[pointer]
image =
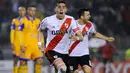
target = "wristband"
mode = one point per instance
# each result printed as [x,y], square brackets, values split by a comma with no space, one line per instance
[39,43]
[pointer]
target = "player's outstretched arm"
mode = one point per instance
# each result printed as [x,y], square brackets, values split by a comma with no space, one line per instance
[101,36]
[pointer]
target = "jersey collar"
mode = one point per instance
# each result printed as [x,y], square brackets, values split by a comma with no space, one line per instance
[19,18]
[29,18]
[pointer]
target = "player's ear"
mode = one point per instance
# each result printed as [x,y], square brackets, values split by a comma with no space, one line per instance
[66,9]
[55,9]
[81,17]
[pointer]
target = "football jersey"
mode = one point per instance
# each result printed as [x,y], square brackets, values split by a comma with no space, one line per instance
[14,26]
[29,30]
[80,48]
[58,32]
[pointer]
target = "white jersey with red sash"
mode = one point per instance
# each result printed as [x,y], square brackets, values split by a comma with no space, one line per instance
[80,48]
[58,32]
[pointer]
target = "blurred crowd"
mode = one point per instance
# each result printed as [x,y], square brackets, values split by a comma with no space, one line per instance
[111,17]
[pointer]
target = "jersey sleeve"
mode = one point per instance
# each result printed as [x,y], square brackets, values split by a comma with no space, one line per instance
[74,26]
[21,25]
[93,30]
[12,27]
[43,24]
[12,32]
[20,28]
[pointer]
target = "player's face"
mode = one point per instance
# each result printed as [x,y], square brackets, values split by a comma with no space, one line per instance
[86,16]
[31,11]
[61,9]
[22,11]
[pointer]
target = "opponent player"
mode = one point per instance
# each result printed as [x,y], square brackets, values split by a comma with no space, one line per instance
[79,52]
[28,34]
[59,27]
[14,37]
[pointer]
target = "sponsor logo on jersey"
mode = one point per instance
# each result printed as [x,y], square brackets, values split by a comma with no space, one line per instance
[55,32]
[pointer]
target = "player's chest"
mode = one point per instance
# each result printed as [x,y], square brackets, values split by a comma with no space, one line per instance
[55,25]
[31,25]
[84,29]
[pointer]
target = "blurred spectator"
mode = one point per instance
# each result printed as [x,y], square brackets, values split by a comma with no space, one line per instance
[107,50]
[126,18]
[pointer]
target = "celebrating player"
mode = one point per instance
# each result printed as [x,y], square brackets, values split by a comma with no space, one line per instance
[59,27]
[15,45]
[28,34]
[79,52]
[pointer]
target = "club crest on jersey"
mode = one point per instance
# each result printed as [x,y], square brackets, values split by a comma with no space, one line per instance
[86,28]
[66,25]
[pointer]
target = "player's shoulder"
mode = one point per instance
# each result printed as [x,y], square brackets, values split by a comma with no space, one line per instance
[68,16]
[37,19]
[90,23]
[24,18]
[48,18]
[14,19]
[51,17]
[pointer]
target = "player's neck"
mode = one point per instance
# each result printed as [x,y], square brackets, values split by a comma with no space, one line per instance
[59,17]
[21,16]
[81,22]
[31,17]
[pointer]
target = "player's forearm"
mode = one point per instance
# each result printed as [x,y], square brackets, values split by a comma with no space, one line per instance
[79,35]
[101,36]
[40,37]
[12,33]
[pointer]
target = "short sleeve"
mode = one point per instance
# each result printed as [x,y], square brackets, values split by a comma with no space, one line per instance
[13,25]
[43,24]
[93,30]
[74,26]
[21,25]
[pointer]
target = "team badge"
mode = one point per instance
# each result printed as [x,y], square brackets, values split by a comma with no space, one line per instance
[66,25]
[86,28]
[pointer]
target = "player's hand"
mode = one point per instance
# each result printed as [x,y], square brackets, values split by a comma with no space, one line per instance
[22,48]
[12,46]
[43,51]
[41,48]
[110,39]
[74,38]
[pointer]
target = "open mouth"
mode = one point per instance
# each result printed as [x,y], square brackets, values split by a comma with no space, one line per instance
[61,12]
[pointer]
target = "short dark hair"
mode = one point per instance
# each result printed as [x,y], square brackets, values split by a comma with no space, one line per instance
[61,2]
[81,12]
[31,6]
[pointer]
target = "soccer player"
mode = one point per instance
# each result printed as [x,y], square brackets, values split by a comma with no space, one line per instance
[59,26]
[28,36]
[79,52]
[15,45]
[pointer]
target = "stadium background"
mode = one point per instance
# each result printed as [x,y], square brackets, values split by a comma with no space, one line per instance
[111,17]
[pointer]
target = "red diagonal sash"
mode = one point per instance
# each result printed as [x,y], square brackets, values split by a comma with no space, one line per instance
[85,29]
[53,43]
